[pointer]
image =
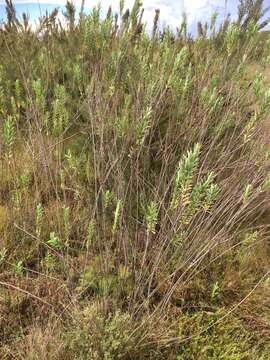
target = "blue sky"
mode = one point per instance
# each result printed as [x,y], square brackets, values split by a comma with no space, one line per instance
[171,10]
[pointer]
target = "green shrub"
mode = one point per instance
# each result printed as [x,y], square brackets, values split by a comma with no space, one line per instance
[214,335]
[97,337]
[133,168]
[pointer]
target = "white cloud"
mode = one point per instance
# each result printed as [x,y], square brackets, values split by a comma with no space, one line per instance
[203,9]
[170,10]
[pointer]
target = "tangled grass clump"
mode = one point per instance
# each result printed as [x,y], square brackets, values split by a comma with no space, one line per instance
[134,188]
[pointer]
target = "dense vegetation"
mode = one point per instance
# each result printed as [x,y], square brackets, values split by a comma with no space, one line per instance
[134,188]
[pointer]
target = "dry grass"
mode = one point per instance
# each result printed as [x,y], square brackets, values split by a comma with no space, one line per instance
[134,190]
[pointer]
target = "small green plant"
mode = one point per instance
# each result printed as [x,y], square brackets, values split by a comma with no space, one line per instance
[107,337]
[180,61]
[209,338]
[211,100]
[116,341]
[25,179]
[250,238]
[178,240]
[232,36]
[202,195]
[54,240]
[77,194]
[39,219]
[16,198]
[40,102]
[18,268]
[250,127]
[77,73]
[143,126]
[69,157]
[211,196]
[247,193]
[215,291]
[184,177]
[151,217]
[117,213]
[49,261]
[60,113]
[108,198]
[123,121]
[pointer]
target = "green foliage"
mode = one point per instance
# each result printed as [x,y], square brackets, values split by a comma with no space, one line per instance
[215,291]
[208,336]
[257,86]
[217,335]
[97,33]
[133,177]
[211,100]
[211,196]
[143,126]
[18,267]
[54,240]
[108,198]
[151,217]
[184,177]
[117,214]
[98,281]
[49,262]
[98,337]
[40,103]
[247,193]
[60,113]
[180,61]
[232,37]
[203,196]
[25,179]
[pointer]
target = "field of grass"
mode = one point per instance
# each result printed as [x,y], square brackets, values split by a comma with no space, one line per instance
[134,189]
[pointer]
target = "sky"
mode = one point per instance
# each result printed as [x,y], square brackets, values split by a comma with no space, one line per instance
[170,10]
